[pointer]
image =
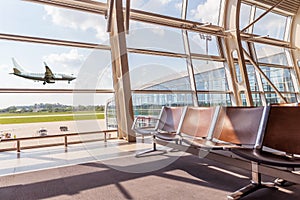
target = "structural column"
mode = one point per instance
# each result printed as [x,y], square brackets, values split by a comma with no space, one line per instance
[234,44]
[295,44]
[120,69]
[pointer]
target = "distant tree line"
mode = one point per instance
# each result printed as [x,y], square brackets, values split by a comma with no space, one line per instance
[47,107]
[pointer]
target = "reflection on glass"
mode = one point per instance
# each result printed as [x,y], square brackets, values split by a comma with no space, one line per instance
[281,78]
[206,11]
[149,72]
[150,104]
[271,25]
[201,43]
[272,97]
[270,54]
[210,75]
[155,37]
[252,78]
[238,73]
[256,99]
[213,99]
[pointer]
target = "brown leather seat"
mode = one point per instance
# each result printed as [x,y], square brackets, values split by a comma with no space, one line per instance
[277,146]
[234,127]
[195,122]
[169,123]
[166,126]
[268,158]
[281,137]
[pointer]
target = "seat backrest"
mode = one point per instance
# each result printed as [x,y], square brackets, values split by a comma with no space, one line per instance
[282,131]
[239,125]
[196,121]
[169,119]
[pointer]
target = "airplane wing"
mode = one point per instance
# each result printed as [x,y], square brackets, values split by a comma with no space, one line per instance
[48,73]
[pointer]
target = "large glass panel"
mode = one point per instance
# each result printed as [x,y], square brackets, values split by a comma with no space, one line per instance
[150,104]
[272,97]
[90,67]
[271,25]
[244,15]
[210,75]
[155,37]
[270,54]
[252,78]
[201,43]
[205,11]
[170,8]
[148,72]
[281,78]
[213,99]
[24,114]
[45,21]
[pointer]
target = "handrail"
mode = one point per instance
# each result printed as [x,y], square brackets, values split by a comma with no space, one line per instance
[66,135]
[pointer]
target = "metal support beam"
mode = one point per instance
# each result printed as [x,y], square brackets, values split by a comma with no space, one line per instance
[231,22]
[110,4]
[189,58]
[295,43]
[121,76]
[127,15]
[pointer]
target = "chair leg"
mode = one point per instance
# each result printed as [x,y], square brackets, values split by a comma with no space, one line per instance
[149,150]
[255,184]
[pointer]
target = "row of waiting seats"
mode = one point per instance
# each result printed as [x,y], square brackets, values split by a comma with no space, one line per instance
[268,135]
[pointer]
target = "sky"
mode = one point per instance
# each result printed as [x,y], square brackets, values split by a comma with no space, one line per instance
[92,67]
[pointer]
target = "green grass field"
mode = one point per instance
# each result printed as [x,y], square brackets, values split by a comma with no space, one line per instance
[47,117]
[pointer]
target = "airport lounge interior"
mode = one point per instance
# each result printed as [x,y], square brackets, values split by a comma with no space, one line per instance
[166,99]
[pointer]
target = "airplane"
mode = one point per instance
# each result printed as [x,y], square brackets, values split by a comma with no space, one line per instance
[47,77]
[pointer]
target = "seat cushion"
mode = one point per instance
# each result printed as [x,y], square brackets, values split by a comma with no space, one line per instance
[167,136]
[144,131]
[268,158]
[208,144]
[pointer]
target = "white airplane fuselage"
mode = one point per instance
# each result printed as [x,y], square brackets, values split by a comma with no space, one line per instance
[47,77]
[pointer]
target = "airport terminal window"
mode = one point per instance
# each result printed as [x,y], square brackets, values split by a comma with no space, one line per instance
[150,104]
[280,77]
[210,75]
[169,8]
[149,72]
[272,97]
[245,15]
[252,78]
[204,11]
[78,62]
[271,54]
[39,20]
[212,99]
[202,43]
[158,37]
[271,25]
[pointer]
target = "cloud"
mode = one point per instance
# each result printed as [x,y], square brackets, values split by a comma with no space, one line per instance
[4,67]
[178,6]
[68,60]
[207,12]
[77,21]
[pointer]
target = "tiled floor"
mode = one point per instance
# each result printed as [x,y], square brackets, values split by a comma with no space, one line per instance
[43,158]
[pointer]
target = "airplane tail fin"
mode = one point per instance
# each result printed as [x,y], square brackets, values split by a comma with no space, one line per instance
[17,71]
[17,68]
